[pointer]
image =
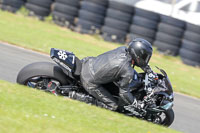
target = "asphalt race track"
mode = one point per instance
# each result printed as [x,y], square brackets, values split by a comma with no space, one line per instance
[12,59]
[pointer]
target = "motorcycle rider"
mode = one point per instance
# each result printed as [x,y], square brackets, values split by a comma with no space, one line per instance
[115,66]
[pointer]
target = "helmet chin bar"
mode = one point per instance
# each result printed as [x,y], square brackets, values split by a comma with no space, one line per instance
[140,63]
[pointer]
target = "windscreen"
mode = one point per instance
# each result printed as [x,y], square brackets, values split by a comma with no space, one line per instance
[168,85]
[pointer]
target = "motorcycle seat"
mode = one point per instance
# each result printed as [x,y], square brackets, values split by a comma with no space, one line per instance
[78,67]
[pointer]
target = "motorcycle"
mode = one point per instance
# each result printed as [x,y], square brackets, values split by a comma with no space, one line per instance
[155,95]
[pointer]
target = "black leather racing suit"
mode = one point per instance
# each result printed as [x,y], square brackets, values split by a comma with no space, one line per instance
[111,66]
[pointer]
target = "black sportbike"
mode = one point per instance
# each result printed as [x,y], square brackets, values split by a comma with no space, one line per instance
[155,95]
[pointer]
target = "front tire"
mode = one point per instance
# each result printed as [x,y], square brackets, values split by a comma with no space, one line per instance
[169,118]
[162,118]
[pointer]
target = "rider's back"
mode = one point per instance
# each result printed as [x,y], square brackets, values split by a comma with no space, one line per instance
[109,66]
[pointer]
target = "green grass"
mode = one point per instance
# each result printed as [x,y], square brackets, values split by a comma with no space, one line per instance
[25,110]
[41,36]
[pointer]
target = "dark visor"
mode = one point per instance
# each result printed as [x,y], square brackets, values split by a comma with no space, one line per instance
[146,58]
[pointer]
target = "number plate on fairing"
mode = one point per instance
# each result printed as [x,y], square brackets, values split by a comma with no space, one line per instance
[63,58]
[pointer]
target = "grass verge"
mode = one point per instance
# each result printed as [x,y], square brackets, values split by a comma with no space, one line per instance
[41,36]
[27,110]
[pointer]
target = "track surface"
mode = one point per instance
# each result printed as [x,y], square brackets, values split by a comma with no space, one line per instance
[12,59]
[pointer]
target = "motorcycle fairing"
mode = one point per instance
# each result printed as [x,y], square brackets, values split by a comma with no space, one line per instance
[167,82]
[65,59]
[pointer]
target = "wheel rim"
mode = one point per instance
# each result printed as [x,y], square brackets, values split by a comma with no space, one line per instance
[165,121]
[41,82]
[160,118]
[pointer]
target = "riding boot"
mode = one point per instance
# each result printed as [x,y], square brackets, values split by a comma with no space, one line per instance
[81,97]
[88,99]
[103,105]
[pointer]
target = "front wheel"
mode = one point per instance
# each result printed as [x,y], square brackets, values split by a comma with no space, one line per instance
[169,118]
[164,118]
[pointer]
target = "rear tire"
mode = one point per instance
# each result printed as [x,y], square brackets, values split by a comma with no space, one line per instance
[42,69]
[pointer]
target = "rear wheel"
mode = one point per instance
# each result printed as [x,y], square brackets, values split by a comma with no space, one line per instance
[43,76]
[45,84]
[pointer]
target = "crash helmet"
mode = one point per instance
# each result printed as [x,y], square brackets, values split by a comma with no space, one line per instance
[141,51]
